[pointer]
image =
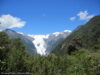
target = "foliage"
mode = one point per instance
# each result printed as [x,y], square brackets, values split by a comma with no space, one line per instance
[14,59]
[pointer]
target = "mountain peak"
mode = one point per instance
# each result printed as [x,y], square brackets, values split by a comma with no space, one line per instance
[9,30]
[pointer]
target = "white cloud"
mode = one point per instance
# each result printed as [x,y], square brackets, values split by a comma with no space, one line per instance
[8,21]
[72,18]
[84,15]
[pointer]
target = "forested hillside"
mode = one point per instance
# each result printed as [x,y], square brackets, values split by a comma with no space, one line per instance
[86,36]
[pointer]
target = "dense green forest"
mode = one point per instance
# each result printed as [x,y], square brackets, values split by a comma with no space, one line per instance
[15,60]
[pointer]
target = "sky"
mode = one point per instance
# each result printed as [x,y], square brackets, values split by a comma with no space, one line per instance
[46,16]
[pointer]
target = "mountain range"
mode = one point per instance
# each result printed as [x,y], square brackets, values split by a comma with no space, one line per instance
[39,44]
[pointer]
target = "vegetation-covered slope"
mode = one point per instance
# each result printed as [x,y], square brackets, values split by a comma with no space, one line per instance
[12,52]
[85,36]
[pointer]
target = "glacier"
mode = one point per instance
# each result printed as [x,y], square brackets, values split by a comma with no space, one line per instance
[44,43]
[39,44]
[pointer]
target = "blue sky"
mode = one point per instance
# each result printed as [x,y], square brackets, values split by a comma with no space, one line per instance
[48,16]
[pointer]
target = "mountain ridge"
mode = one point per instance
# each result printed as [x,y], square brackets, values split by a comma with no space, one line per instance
[39,44]
[85,36]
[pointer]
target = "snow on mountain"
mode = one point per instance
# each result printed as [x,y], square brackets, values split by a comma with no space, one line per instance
[39,44]
[45,43]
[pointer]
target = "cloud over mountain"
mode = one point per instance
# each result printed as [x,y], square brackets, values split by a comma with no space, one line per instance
[9,21]
[82,15]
